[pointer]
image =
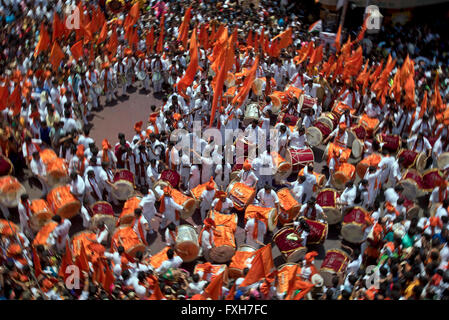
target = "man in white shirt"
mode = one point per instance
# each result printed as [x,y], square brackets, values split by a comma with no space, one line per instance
[170,209]
[206,198]
[298,139]
[173,262]
[268,198]
[196,286]
[61,232]
[38,169]
[147,206]
[313,211]
[247,176]
[222,203]
[25,214]
[255,229]
[348,196]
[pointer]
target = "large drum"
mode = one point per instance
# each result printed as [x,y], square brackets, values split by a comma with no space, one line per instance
[257,86]
[224,219]
[63,203]
[251,113]
[198,191]
[171,177]
[102,212]
[270,215]
[353,227]
[127,215]
[308,102]
[431,179]
[443,161]
[6,166]
[86,238]
[289,206]
[283,166]
[125,236]
[57,172]
[187,246]
[41,214]
[344,173]
[318,232]
[320,179]
[370,124]
[329,119]
[44,236]
[289,242]
[356,136]
[413,159]
[327,199]
[392,142]
[158,188]
[47,156]
[241,259]
[412,210]
[188,203]
[293,92]
[362,166]
[286,273]
[319,131]
[335,262]
[10,191]
[241,194]
[299,158]
[224,245]
[339,108]
[412,183]
[278,99]
[237,167]
[124,184]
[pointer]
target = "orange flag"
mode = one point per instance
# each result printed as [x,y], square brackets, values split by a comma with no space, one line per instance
[261,39]
[204,37]
[249,39]
[437,102]
[91,53]
[15,100]
[298,289]
[362,31]
[247,83]
[285,38]
[214,289]
[58,28]
[77,50]
[338,39]
[423,105]
[81,261]
[36,263]
[103,33]
[160,41]
[261,266]
[376,72]
[113,42]
[149,42]
[108,279]
[183,31]
[56,55]
[192,68]
[409,89]
[317,56]
[231,293]
[67,260]
[4,93]
[44,41]
[218,88]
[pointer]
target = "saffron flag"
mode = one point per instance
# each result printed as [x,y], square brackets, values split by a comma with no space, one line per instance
[192,68]
[338,39]
[214,289]
[183,31]
[160,41]
[44,41]
[77,50]
[261,266]
[247,83]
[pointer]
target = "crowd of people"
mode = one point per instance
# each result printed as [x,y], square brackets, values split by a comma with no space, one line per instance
[255,66]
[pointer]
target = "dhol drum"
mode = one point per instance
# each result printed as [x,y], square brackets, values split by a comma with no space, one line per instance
[291,119]
[362,166]
[171,177]
[270,215]
[332,148]
[158,188]
[289,242]
[370,124]
[257,86]
[293,92]
[127,215]
[286,273]
[41,214]
[124,184]
[356,136]
[318,232]
[343,173]
[188,203]
[432,178]
[353,226]
[224,245]
[237,167]
[8,228]
[251,113]
[6,166]
[328,200]
[240,194]
[329,119]
[198,191]
[224,219]
[241,260]
[289,206]
[45,235]
[187,246]
[308,102]
[320,179]
[443,161]
[299,158]
[283,166]
[10,191]
[335,262]
[412,183]
[47,156]
[86,239]
[208,271]
[125,236]
[339,108]
[102,212]
[57,172]
[63,203]
[413,159]
[412,210]
[392,142]
[278,99]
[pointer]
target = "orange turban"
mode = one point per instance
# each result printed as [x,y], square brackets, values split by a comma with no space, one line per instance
[220,194]
[246,165]
[435,221]
[128,51]
[80,151]
[138,126]
[106,65]
[105,144]
[311,256]
[211,184]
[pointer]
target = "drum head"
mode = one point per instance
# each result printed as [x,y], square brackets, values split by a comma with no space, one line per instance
[11,200]
[109,221]
[187,250]
[272,220]
[410,189]
[339,180]
[327,276]
[123,190]
[133,250]
[257,87]
[357,148]
[221,254]
[69,210]
[326,121]
[333,215]
[314,136]
[189,208]
[352,233]
[161,184]
[297,255]
[421,161]
[443,160]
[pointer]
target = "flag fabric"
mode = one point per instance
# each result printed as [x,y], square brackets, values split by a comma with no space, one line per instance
[219,82]
[81,261]
[203,37]
[423,105]
[192,68]
[149,41]
[77,50]
[44,41]
[183,31]
[261,266]
[4,94]
[67,260]
[362,31]
[437,102]
[214,289]
[108,279]
[58,28]
[160,41]
[337,42]
[231,293]
[285,38]
[157,293]
[113,42]
[15,100]
[103,33]
[247,83]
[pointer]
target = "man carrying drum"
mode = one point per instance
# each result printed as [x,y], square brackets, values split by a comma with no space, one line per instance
[255,230]
[222,203]
[206,198]
[313,211]
[147,206]
[206,236]
[268,198]
[247,176]
[169,209]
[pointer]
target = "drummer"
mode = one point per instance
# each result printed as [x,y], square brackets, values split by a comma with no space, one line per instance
[25,214]
[313,211]
[255,229]
[206,236]
[419,143]
[169,209]
[206,198]
[298,139]
[340,136]
[38,169]
[247,176]
[222,203]
[267,198]
[147,206]
[348,196]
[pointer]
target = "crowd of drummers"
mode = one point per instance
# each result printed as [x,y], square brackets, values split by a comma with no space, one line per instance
[347,138]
